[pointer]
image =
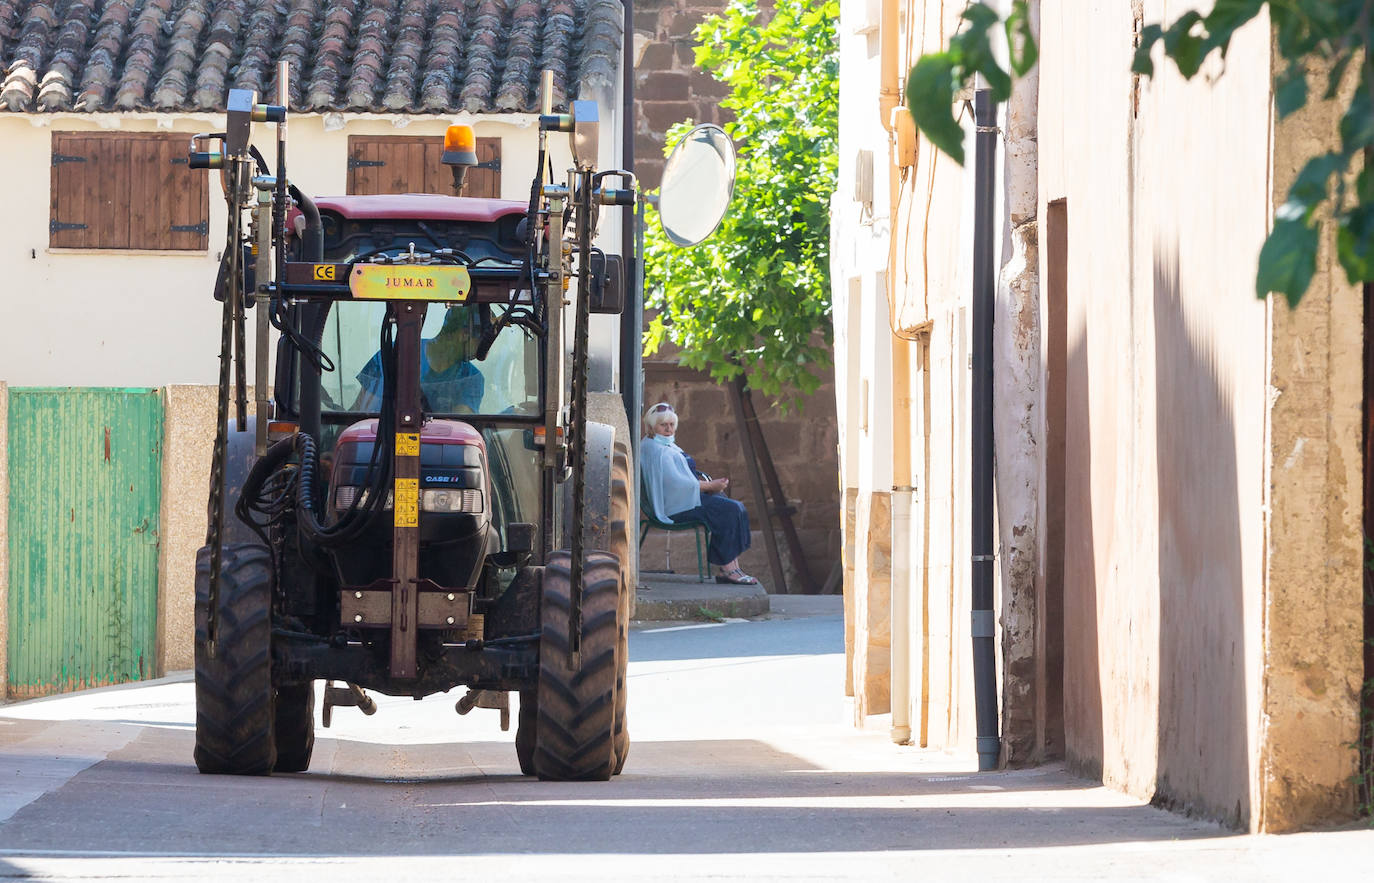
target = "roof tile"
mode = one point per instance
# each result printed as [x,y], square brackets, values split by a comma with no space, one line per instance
[98,74]
[427,56]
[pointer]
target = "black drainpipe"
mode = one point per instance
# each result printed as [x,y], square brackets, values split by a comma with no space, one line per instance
[984,621]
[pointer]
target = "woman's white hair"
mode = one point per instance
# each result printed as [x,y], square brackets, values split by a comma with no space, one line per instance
[656,415]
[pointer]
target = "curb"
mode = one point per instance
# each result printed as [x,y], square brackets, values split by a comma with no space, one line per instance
[697,609]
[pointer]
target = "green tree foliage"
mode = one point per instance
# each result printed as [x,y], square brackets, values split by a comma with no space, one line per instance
[1327,35]
[756,295]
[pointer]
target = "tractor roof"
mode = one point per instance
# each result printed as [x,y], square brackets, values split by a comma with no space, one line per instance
[421,206]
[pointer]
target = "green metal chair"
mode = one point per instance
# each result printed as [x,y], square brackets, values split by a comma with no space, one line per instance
[648,521]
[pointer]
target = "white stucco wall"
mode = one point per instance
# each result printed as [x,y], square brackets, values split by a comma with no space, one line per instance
[135,318]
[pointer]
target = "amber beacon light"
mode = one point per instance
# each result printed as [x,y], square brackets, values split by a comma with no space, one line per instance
[460,153]
[460,146]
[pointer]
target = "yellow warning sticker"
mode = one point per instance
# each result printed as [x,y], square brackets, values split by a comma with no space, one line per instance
[324,272]
[407,502]
[408,444]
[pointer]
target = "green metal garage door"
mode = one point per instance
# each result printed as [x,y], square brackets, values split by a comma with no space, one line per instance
[85,480]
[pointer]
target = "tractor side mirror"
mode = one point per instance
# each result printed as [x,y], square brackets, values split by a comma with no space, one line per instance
[608,283]
[698,181]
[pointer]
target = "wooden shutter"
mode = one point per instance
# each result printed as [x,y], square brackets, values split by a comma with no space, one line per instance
[126,191]
[413,164]
[485,180]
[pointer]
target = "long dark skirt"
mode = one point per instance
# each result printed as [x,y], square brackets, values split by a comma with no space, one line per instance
[729,525]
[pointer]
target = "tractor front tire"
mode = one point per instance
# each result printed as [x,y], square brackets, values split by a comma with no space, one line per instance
[622,545]
[575,701]
[234,694]
[295,727]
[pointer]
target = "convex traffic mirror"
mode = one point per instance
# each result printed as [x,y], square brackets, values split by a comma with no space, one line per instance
[698,181]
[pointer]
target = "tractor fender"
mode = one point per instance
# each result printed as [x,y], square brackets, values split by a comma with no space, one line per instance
[240,455]
[596,532]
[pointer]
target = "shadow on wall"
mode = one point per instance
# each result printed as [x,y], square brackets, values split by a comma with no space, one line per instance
[1082,677]
[1203,747]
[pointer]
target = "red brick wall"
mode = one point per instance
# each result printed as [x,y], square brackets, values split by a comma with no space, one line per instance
[668,87]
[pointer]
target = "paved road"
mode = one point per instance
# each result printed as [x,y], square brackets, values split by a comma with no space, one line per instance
[743,766]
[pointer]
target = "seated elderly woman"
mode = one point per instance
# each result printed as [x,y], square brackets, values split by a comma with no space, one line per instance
[678,492]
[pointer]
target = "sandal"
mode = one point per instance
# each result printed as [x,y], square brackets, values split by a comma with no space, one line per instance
[736,577]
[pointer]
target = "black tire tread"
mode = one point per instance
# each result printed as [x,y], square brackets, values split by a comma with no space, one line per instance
[575,708]
[234,696]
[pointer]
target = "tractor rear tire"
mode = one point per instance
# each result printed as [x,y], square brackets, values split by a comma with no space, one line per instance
[295,727]
[234,695]
[575,704]
[622,546]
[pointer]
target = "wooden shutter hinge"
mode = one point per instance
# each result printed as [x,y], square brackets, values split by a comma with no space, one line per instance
[355,163]
[202,228]
[59,158]
[59,226]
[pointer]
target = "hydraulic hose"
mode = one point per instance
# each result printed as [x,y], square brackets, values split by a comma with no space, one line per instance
[358,518]
[351,524]
[312,240]
[312,250]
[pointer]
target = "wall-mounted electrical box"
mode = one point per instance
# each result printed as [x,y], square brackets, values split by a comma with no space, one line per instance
[904,141]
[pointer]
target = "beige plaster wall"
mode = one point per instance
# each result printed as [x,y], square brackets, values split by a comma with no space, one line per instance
[1313,614]
[872,665]
[187,443]
[1185,656]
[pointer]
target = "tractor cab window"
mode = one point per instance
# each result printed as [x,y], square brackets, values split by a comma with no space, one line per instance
[452,380]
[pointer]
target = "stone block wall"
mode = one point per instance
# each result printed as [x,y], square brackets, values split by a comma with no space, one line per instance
[668,86]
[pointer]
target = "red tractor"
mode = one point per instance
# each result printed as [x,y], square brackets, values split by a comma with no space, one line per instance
[424,503]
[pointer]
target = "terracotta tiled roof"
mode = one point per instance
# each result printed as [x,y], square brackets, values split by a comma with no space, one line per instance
[412,56]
